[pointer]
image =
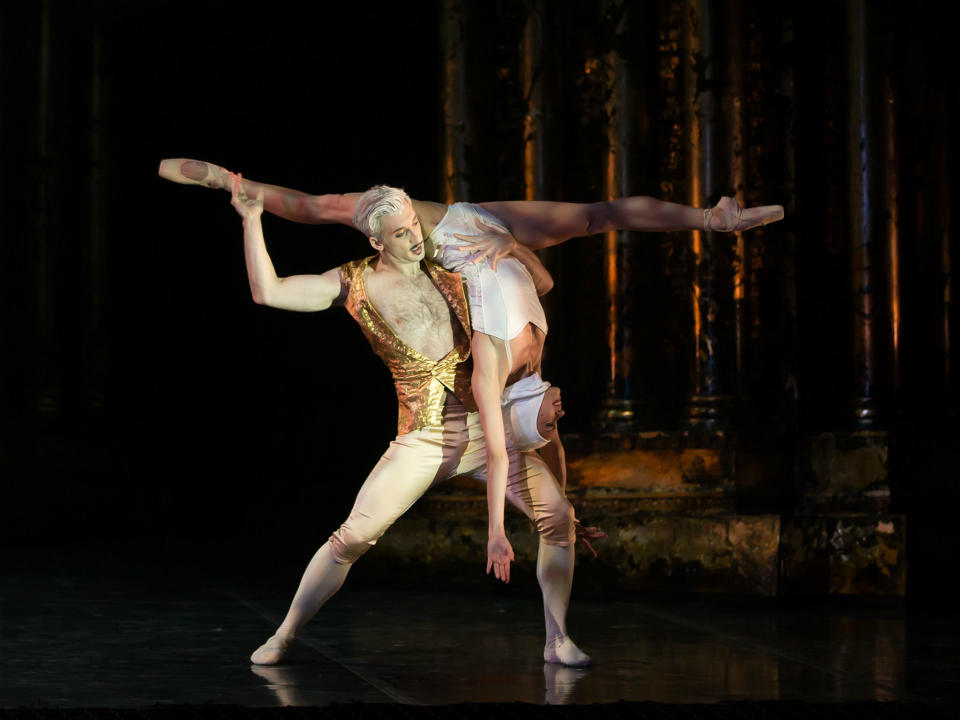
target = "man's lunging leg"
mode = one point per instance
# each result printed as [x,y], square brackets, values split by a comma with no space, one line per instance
[322,578]
[404,473]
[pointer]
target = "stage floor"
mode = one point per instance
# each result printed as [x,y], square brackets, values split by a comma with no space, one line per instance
[108,628]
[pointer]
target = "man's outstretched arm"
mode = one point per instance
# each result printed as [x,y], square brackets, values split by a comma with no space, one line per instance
[304,293]
[540,224]
[285,202]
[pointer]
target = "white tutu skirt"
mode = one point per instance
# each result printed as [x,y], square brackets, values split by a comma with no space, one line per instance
[502,302]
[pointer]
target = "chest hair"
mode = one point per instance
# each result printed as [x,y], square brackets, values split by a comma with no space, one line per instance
[414,309]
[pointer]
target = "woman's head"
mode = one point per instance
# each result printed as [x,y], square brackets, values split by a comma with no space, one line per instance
[531,415]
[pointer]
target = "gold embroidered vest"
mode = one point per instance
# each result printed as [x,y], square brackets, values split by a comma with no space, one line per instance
[421,383]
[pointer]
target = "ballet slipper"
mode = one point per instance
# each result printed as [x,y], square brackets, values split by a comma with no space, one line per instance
[759,216]
[728,216]
[194,172]
[272,651]
[564,651]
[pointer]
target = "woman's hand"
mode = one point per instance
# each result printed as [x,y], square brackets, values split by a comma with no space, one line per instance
[586,534]
[493,243]
[499,555]
[246,207]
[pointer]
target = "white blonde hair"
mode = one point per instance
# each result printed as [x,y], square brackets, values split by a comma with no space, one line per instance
[376,202]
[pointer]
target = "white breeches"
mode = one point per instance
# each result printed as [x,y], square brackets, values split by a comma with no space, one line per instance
[415,461]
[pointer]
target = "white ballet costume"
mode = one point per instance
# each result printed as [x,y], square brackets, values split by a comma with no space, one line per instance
[502,301]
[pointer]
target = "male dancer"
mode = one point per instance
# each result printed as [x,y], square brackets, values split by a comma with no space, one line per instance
[538,224]
[414,314]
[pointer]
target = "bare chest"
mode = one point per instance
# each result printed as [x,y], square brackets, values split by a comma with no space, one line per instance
[415,310]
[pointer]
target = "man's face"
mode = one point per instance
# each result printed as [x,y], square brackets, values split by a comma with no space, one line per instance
[400,236]
[551,410]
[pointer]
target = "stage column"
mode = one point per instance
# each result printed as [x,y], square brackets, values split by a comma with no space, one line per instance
[618,411]
[944,185]
[457,128]
[534,78]
[710,399]
[95,332]
[667,493]
[862,154]
[47,392]
[845,540]
[537,80]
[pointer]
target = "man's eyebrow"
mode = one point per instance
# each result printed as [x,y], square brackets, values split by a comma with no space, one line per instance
[404,227]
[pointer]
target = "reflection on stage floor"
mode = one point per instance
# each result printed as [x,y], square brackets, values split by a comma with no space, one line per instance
[165,629]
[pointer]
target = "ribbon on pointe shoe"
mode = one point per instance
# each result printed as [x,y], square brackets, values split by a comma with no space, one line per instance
[734,218]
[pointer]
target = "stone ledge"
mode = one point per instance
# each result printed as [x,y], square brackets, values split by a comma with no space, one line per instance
[844,554]
[846,471]
[721,553]
[716,554]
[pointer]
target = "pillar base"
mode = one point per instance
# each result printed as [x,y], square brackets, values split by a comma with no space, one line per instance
[866,414]
[617,415]
[709,411]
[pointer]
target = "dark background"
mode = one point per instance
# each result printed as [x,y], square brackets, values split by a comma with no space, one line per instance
[145,398]
[191,411]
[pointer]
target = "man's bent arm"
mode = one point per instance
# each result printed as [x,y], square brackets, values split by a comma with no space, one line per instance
[287,203]
[305,293]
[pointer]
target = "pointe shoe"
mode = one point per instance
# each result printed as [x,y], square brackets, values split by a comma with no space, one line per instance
[194,172]
[271,652]
[728,216]
[759,216]
[564,651]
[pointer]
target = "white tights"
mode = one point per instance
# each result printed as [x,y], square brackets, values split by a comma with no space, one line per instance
[413,463]
[324,576]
